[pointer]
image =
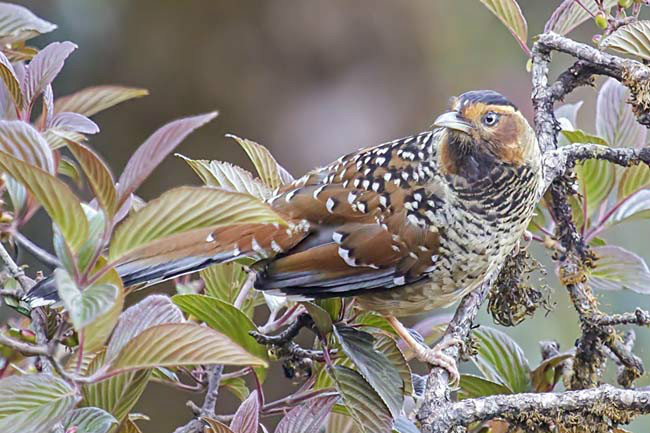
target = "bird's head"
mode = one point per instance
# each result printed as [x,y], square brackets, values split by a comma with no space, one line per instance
[483,127]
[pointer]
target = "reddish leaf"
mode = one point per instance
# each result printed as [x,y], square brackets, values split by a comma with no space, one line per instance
[18,23]
[246,419]
[92,100]
[309,417]
[151,311]
[44,68]
[98,175]
[76,122]
[154,150]
[22,141]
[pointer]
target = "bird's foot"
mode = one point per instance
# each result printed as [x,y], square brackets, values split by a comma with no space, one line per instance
[435,356]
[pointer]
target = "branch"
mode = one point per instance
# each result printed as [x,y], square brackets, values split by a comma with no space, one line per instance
[36,251]
[207,409]
[14,270]
[543,411]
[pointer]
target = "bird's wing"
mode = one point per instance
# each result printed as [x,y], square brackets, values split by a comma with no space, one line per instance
[374,219]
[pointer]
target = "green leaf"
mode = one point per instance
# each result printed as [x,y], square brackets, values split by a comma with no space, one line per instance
[68,167]
[237,386]
[151,153]
[509,12]
[332,306]
[375,367]
[375,320]
[579,136]
[633,179]
[321,318]
[597,179]
[308,417]
[570,14]
[474,387]
[20,140]
[339,423]
[92,100]
[246,419]
[617,268]
[18,24]
[57,138]
[364,404]
[34,402]
[501,360]
[96,227]
[388,346]
[615,120]
[545,377]
[186,208]
[632,39]
[228,176]
[98,175]
[17,194]
[175,344]
[224,281]
[223,317]
[10,79]
[118,394]
[271,173]
[84,307]
[89,420]
[97,333]
[55,196]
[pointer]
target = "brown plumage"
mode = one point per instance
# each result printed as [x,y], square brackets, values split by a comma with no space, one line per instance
[405,226]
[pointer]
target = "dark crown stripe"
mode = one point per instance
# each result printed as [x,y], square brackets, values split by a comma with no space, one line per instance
[485,96]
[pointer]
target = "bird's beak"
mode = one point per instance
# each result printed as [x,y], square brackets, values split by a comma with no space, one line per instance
[453,120]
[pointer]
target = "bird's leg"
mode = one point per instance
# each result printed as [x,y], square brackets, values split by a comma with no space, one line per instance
[434,356]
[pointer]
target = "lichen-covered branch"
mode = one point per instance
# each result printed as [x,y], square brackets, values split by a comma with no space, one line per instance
[566,411]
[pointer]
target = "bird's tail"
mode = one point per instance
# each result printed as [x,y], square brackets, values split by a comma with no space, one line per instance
[188,252]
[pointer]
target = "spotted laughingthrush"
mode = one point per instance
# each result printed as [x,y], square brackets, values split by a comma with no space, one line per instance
[405,226]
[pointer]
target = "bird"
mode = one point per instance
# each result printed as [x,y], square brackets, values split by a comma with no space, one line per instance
[404,227]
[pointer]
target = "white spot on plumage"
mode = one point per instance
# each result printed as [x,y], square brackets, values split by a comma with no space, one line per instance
[276,247]
[417,196]
[361,207]
[413,255]
[399,281]
[329,204]
[408,205]
[375,186]
[383,201]
[345,255]
[337,237]
[380,160]
[351,197]
[405,175]
[290,195]
[356,183]
[387,176]
[210,238]
[412,218]
[395,248]
[318,191]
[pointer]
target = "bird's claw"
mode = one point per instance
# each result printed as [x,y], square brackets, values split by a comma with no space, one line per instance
[435,356]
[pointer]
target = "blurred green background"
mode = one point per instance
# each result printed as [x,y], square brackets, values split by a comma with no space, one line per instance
[310,80]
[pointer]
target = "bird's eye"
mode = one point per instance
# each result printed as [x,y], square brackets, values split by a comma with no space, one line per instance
[490,119]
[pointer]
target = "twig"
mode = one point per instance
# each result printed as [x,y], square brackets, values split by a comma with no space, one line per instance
[14,270]
[195,425]
[36,251]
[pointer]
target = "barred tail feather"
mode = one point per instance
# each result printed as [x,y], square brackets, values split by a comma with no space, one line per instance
[188,252]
